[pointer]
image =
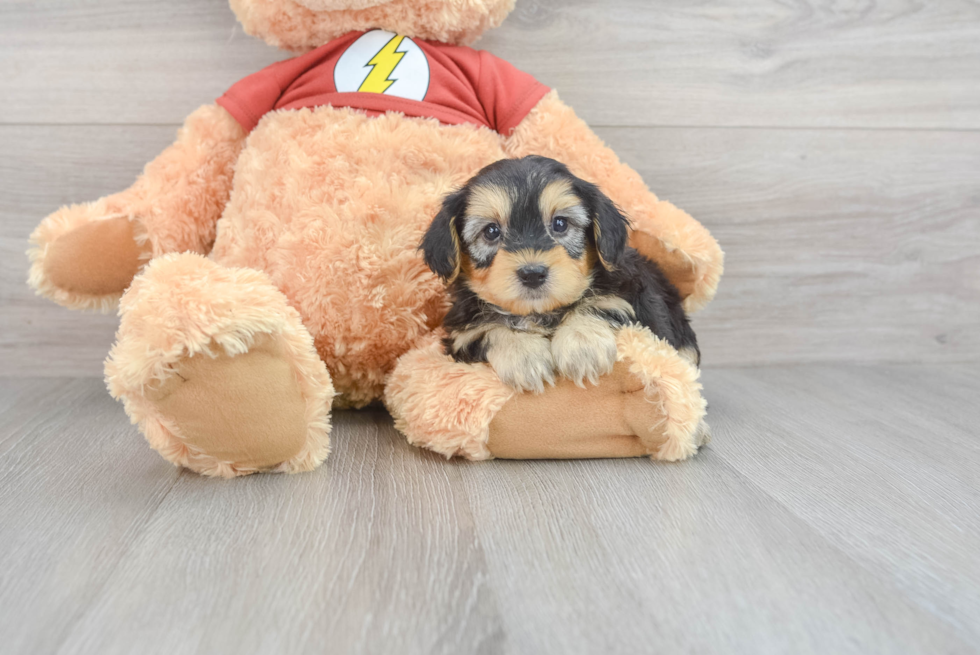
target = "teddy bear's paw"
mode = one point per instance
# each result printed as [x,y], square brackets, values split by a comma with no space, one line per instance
[702,435]
[680,446]
[522,361]
[85,259]
[218,371]
[584,349]
[245,410]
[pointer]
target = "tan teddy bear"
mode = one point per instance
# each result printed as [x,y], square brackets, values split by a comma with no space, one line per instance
[267,261]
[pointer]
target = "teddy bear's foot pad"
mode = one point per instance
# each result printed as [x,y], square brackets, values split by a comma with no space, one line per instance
[247,409]
[85,257]
[571,422]
[218,370]
[98,258]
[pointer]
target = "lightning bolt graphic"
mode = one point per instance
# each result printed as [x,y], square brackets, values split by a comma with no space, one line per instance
[383,64]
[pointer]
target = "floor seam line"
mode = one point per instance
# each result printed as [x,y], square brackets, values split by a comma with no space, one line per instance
[70,629]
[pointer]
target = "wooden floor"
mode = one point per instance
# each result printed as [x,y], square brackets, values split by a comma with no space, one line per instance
[833,148]
[833,513]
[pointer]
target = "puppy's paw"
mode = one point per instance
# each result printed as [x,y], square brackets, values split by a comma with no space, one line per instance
[584,348]
[522,361]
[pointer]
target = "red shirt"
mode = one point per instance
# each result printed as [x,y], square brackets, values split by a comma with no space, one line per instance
[378,71]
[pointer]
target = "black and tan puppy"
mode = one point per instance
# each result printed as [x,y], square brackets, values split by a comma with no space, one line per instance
[541,276]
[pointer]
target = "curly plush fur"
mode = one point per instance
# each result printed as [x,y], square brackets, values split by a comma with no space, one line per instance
[310,225]
[333,213]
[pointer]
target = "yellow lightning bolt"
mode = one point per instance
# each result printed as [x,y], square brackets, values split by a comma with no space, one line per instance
[384,63]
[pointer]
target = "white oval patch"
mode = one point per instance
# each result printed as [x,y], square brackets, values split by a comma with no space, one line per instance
[383,62]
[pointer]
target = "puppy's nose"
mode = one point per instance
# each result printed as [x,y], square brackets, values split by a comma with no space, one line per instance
[532,276]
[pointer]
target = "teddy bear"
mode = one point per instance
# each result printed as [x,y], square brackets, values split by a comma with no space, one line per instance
[266,265]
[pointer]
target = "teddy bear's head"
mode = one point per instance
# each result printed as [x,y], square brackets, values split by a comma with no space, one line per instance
[300,25]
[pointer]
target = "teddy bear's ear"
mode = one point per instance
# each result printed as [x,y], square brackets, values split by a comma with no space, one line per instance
[610,227]
[441,244]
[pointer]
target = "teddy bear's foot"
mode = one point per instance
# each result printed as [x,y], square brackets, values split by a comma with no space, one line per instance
[85,256]
[218,370]
[650,404]
[246,410]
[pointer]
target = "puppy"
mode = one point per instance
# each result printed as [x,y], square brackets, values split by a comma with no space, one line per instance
[541,276]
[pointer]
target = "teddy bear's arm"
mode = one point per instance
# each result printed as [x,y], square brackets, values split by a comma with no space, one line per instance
[84,256]
[682,247]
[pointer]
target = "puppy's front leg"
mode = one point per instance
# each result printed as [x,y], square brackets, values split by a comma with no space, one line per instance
[521,359]
[584,345]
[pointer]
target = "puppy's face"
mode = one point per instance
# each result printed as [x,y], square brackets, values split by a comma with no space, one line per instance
[525,235]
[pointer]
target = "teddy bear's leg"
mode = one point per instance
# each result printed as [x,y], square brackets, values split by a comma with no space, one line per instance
[84,256]
[649,405]
[219,371]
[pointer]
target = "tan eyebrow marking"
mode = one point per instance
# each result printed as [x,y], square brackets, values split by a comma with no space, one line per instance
[555,197]
[491,202]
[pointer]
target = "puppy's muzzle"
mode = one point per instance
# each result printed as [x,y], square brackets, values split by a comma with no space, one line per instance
[532,276]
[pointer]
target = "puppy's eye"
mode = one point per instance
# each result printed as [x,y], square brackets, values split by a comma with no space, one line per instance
[491,232]
[559,224]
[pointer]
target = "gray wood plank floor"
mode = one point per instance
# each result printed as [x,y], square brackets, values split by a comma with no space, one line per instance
[831,514]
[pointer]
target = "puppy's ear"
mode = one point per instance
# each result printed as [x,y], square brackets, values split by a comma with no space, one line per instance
[610,228]
[440,245]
